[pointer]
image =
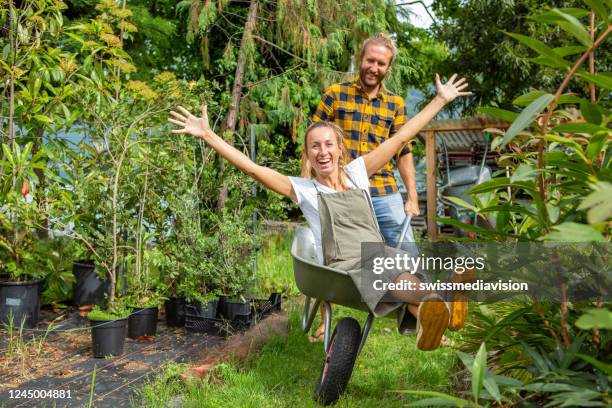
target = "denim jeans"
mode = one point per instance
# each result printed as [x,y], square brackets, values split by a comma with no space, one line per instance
[390,215]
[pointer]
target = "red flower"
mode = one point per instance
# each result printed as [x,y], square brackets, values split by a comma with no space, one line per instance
[24,189]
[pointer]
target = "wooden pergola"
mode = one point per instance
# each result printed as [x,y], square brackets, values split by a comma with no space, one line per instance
[462,132]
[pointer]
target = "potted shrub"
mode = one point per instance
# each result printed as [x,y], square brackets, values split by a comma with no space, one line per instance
[234,261]
[108,330]
[143,316]
[21,276]
[144,297]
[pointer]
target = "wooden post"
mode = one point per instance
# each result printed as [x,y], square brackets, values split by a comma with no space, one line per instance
[430,158]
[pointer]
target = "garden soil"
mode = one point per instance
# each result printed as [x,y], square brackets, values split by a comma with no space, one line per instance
[64,361]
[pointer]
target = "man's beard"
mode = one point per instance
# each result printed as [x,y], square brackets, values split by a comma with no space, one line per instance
[379,78]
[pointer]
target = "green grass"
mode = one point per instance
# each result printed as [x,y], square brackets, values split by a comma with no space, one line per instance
[275,266]
[284,372]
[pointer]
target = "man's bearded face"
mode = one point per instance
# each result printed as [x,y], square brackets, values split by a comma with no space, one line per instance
[375,64]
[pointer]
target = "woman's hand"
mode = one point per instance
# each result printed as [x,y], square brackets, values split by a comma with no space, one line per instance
[191,124]
[452,89]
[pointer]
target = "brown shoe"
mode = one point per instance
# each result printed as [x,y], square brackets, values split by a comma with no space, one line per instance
[432,321]
[459,311]
[459,303]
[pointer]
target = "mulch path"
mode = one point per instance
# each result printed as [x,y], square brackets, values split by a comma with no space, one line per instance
[64,362]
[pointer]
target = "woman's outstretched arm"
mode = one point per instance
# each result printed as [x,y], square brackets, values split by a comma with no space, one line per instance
[200,128]
[447,92]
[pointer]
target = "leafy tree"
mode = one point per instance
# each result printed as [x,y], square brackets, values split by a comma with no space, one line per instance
[497,68]
[558,191]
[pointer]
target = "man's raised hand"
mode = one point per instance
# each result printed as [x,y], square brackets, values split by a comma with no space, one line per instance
[189,123]
[452,89]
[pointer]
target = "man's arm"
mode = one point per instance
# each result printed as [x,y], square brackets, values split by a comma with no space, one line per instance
[405,165]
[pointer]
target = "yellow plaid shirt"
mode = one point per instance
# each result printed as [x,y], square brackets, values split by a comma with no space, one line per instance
[366,123]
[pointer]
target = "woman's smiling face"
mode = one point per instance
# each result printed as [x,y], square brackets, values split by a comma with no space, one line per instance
[323,151]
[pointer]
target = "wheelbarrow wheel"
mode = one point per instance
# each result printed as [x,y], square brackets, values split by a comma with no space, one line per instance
[339,361]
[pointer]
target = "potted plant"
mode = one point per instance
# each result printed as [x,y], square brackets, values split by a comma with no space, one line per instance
[144,313]
[177,291]
[21,276]
[108,330]
[145,294]
[234,262]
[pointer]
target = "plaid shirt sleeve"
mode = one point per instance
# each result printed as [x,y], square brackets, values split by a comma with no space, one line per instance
[400,119]
[325,109]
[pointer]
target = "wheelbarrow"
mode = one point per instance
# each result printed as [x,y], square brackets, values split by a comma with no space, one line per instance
[327,285]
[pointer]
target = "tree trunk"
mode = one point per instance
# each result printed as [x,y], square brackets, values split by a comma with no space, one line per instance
[43,231]
[141,209]
[13,50]
[592,58]
[232,115]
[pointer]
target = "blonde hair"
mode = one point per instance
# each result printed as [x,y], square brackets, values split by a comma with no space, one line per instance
[307,170]
[379,39]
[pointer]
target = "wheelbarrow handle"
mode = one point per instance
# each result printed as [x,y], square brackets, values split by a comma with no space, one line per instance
[405,227]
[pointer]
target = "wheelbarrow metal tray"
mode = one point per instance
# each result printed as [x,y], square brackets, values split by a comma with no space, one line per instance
[319,281]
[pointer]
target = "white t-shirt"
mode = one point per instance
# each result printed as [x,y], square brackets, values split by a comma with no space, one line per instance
[307,196]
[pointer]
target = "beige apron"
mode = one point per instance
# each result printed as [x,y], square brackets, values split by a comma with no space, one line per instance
[347,219]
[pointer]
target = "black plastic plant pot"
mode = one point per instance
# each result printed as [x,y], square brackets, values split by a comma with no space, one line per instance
[233,309]
[108,337]
[89,288]
[276,299]
[208,309]
[142,322]
[21,301]
[175,312]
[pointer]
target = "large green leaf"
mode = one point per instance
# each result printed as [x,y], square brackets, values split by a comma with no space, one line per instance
[599,7]
[508,208]
[596,144]
[458,402]
[524,172]
[550,18]
[581,128]
[461,203]
[43,119]
[591,112]
[547,62]
[526,99]
[574,232]
[598,203]
[526,117]
[572,26]
[566,141]
[602,79]
[502,114]
[479,370]
[437,402]
[605,368]
[595,319]
[541,48]
[491,386]
[502,182]
[483,232]
[570,50]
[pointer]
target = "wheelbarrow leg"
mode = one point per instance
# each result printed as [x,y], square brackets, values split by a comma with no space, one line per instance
[366,331]
[328,319]
[309,314]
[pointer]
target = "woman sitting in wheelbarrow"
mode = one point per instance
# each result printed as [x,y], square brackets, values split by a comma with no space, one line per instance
[337,205]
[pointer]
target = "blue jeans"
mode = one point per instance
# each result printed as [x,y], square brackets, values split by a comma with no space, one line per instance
[390,215]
